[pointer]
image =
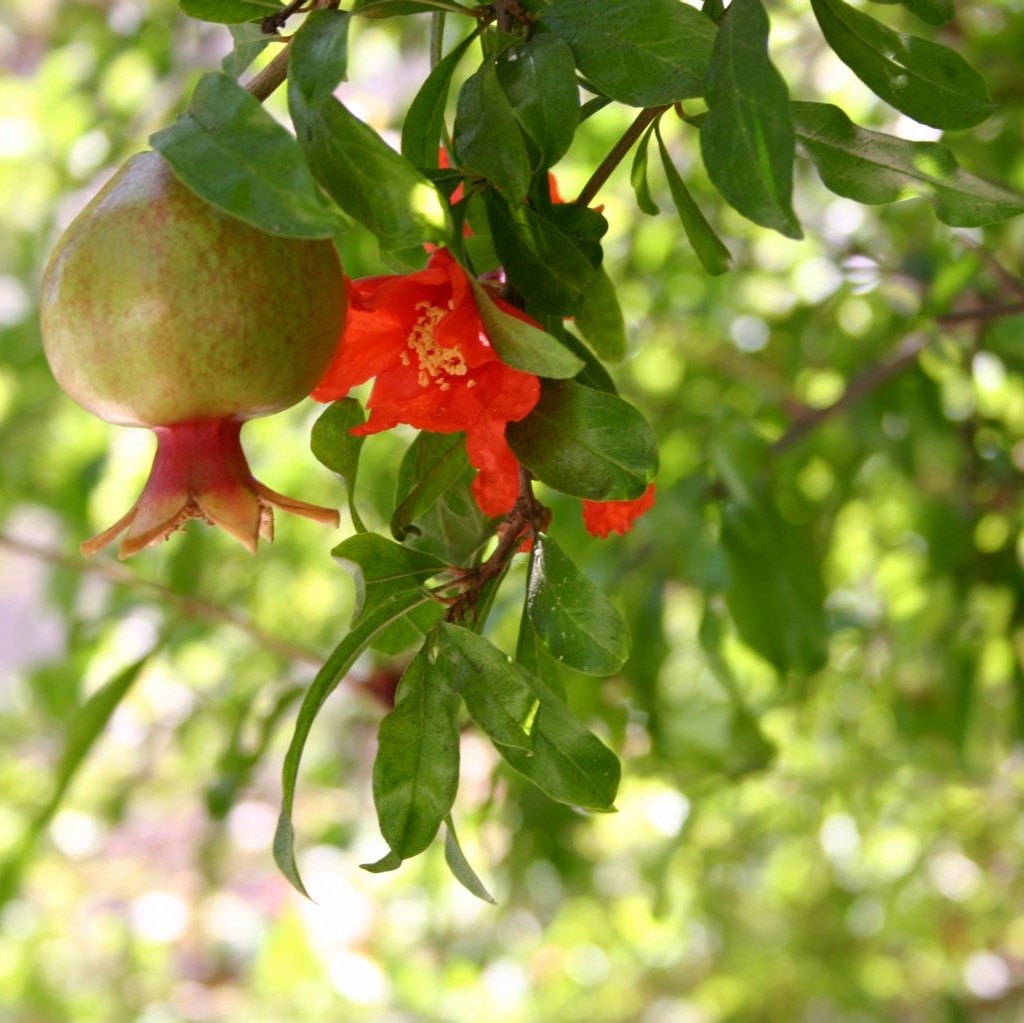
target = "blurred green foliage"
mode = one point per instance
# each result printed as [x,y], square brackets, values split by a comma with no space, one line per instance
[821,721]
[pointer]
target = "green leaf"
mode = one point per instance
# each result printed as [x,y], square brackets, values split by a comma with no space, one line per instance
[232,153]
[319,54]
[539,80]
[487,139]
[392,8]
[496,696]
[871,167]
[710,250]
[568,762]
[433,463]
[747,136]
[250,736]
[388,581]
[383,570]
[84,728]
[410,631]
[388,862]
[453,528]
[366,177]
[229,12]
[638,175]
[577,622]
[542,263]
[249,42]
[599,318]
[416,771]
[424,121]
[522,345]
[459,865]
[533,655]
[645,53]
[926,81]
[935,12]
[586,443]
[776,592]
[333,445]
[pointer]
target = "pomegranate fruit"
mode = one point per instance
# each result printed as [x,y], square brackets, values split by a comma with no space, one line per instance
[159,310]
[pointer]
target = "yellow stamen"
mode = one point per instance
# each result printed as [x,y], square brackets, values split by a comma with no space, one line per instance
[436,363]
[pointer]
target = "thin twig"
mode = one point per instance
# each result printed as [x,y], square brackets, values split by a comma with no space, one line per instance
[985,312]
[191,607]
[273,22]
[618,153]
[859,387]
[1008,278]
[527,518]
[267,81]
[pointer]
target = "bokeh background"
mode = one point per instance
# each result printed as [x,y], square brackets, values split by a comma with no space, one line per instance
[836,844]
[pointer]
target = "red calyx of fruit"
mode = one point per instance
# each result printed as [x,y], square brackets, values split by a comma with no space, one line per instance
[199,471]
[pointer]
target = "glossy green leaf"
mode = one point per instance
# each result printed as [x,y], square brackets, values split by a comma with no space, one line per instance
[496,696]
[249,42]
[388,581]
[230,151]
[229,12]
[747,136]
[586,443]
[568,762]
[539,80]
[433,463]
[487,139]
[416,770]
[935,12]
[926,81]
[599,318]
[454,528]
[333,445]
[459,865]
[542,263]
[391,8]
[579,625]
[85,727]
[424,121]
[522,345]
[710,250]
[366,177]
[638,175]
[319,54]
[582,225]
[535,657]
[388,862]
[642,52]
[382,570]
[871,167]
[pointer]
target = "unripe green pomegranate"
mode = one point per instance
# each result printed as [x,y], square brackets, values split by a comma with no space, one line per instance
[159,310]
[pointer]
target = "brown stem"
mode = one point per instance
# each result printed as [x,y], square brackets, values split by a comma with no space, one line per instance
[273,22]
[859,387]
[618,153]
[192,607]
[267,81]
[1009,279]
[526,519]
[981,313]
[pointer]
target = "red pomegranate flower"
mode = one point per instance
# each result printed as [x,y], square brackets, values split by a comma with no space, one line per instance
[421,337]
[604,517]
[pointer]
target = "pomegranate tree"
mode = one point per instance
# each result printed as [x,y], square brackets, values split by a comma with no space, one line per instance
[159,310]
